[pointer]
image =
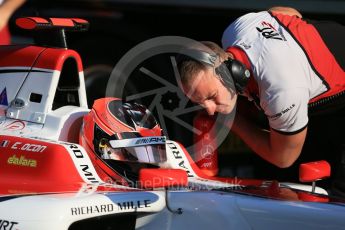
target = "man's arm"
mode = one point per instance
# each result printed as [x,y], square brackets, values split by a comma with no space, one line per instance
[279,149]
[285,10]
[7,8]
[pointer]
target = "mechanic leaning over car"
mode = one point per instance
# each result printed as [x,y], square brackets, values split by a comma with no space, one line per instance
[293,70]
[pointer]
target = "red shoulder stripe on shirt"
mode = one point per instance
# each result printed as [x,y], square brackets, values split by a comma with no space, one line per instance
[319,56]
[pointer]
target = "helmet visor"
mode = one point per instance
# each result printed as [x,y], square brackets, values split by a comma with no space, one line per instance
[143,150]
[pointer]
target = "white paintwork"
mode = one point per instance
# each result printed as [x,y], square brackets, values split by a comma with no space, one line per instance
[12,81]
[48,81]
[222,210]
[37,82]
[38,118]
[304,187]
[61,210]
[64,123]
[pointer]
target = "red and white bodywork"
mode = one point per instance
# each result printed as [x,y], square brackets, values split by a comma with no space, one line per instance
[30,86]
[48,181]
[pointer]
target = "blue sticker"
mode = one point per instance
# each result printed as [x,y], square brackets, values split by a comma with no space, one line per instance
[3,98]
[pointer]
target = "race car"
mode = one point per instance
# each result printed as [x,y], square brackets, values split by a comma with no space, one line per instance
[119,172]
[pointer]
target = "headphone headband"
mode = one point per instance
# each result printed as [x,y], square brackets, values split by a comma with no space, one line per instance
[201,56]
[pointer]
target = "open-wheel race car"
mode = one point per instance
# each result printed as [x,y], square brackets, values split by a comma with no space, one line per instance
[51,177]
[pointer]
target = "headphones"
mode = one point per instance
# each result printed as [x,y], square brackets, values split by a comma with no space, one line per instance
[233,74]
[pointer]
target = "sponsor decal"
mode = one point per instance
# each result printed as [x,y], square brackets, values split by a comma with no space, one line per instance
[88,174]
[28,147]
[7,225]
[152,140]
[134,205]
[109,208]
[207,152]
[92,209]
[76,151]
[83,164]
[246,46]
[132,142]
[269,32]
[15,125]
[21,161]
[3,97]
[178,156]
[276,116]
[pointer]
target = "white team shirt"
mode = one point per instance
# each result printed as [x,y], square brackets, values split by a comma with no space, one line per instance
[281,69]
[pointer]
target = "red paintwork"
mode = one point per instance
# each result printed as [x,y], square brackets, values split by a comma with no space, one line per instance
[158,178]
[5,36]
[39,57]
[30,23]
[101,114]
[308,197]
[49,170]
[313,171]
[80,20]
[62,22]
[201,174]
[53,166]
[54,58]
[28,55]
[205,144]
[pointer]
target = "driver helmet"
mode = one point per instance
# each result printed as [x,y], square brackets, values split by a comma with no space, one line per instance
[120,131]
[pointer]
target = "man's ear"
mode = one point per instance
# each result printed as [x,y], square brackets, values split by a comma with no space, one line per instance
[285,10]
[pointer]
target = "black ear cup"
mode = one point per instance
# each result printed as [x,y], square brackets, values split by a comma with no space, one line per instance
[238,72]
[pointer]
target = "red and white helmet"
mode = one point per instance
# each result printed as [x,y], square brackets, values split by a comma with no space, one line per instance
[118,131]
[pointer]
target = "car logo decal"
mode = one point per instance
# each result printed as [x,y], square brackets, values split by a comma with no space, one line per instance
[15,125]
